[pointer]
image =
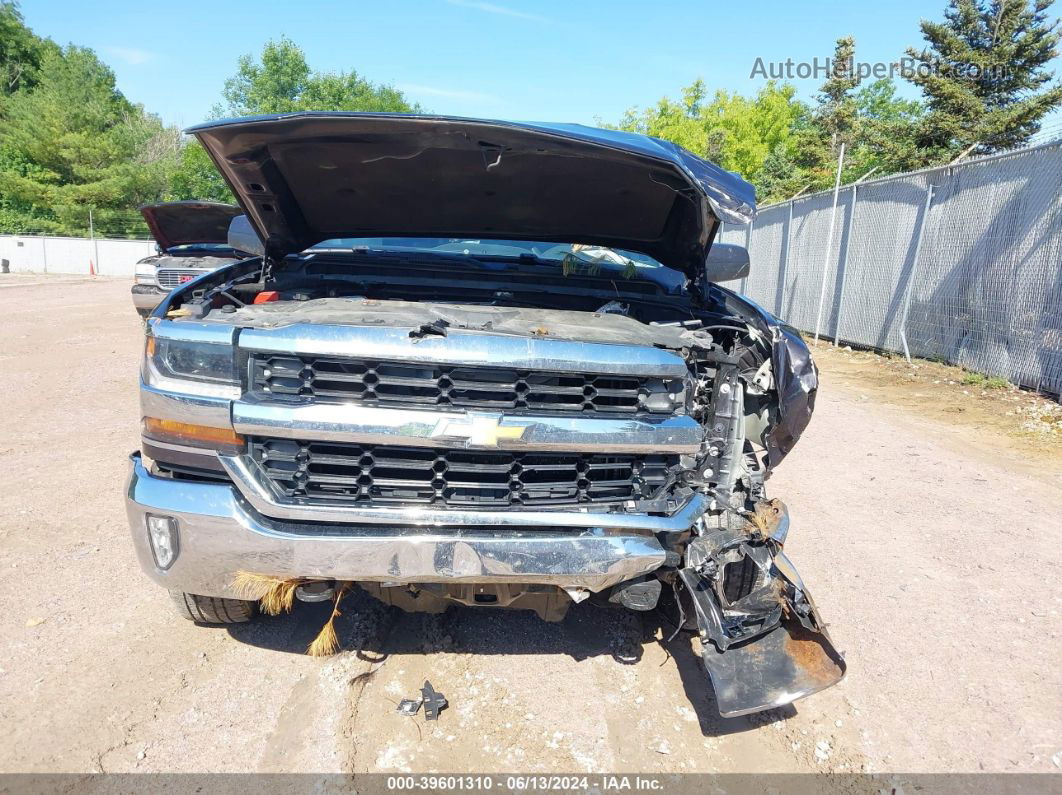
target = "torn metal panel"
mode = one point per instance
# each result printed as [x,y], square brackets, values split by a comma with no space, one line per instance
[764,643]
[773,670]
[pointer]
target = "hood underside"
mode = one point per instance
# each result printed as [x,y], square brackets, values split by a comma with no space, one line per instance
[307,177]
[183,223]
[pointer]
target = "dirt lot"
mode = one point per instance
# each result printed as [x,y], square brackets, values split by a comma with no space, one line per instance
[933,545]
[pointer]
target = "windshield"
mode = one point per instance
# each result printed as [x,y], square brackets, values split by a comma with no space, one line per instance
[570,256]
[221,248]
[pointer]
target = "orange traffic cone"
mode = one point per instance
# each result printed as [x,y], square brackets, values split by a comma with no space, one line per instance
[92,269]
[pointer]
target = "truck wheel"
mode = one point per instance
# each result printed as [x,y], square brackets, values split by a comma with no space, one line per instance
[212,610]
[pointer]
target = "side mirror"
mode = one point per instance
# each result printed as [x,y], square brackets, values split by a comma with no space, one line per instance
[726,262]
[242,237]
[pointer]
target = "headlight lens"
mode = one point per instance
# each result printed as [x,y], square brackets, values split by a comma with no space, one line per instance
[145,273]
[200,361]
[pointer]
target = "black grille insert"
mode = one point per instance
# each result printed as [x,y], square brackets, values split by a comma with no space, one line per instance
[454,385]
[345,473]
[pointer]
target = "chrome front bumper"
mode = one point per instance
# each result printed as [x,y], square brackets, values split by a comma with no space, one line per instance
[146,298]
[220,533]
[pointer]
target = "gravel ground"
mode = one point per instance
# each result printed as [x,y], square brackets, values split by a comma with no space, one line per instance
[932,548]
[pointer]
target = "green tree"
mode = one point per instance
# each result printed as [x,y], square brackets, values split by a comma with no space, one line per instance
[984,76]
[74,142]
[837,113]
[20,51]
[888,128]
[679,121]
[744,131]
[20,56]
[876,126]
[281,81]
[877,101]
[833,120]
[739,133]
[196,178]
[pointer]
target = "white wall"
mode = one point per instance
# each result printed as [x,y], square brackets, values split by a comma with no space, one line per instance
[38,254]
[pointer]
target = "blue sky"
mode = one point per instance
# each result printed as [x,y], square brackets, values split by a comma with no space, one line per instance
[514,59]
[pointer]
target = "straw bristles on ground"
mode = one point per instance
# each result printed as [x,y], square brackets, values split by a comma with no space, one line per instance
[276,595]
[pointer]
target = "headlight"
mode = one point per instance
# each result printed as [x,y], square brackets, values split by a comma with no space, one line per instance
[199,361]
[145,273]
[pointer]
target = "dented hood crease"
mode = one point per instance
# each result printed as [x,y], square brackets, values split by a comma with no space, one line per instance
[307,177]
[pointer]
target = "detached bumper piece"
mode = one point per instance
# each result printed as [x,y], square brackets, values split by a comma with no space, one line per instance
[764,644]
[778,668]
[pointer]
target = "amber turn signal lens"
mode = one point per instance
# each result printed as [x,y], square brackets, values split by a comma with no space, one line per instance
[149,347]
[186,433]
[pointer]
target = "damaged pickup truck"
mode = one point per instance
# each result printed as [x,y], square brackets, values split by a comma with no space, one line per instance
[483,363]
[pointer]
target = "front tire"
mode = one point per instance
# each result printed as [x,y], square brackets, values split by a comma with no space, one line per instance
[213,610]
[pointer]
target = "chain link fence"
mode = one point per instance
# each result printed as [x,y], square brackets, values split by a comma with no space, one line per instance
[961,264]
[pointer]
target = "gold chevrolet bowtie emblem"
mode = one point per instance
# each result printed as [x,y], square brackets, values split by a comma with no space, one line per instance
[478,430]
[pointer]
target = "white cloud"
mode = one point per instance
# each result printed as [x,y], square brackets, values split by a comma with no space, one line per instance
[131,55]
[446,93]
[491,8]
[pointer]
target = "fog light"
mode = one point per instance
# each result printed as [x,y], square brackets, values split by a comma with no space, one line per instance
[162,534]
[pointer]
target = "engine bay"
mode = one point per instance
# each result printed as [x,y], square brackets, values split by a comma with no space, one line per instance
[729,385]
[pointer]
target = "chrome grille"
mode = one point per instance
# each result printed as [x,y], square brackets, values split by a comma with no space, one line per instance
[175,277]
[431,385]
[338,473]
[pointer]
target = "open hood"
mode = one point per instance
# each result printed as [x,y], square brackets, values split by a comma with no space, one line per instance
[181,223]
[307,177]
